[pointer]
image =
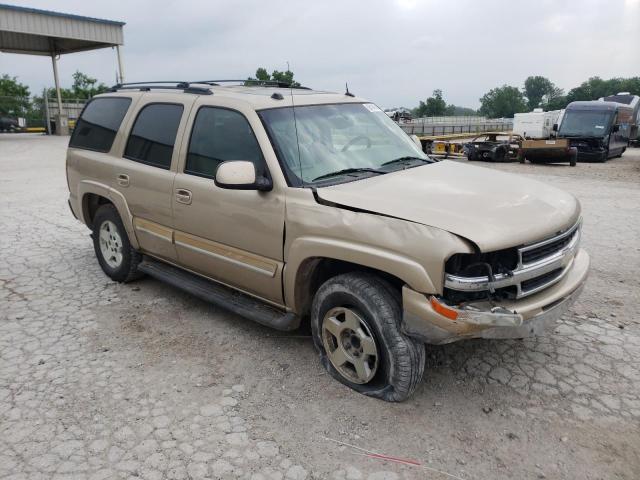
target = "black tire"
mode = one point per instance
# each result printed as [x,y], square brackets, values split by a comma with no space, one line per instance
[127,270]
[500,155]
[401,359]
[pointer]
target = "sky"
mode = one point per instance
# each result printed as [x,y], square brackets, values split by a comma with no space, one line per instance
[392,52]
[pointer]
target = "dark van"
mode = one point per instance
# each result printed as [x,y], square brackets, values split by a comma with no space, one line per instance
[599,130]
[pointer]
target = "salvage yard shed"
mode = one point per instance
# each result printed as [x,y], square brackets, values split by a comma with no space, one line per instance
[29,31]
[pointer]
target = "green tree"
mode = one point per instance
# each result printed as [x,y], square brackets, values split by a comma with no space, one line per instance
[535,88]
[541,92]
[556,103]
[14,97]
[277,76]
[435,106]
[85,86]
[457,111]
[596,87]
[502,102]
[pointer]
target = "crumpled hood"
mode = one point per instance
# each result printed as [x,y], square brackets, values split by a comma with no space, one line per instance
[492,209]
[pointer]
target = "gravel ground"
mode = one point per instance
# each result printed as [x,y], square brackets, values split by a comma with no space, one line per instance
[101,380]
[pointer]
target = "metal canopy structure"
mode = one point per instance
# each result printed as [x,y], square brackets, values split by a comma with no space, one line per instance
[41,32]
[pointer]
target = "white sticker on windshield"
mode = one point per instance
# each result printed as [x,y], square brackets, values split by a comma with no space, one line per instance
[371,107]
[599,126]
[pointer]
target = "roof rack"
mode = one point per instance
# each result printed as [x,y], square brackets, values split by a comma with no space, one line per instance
[195,87]
[254,81]
[161,84]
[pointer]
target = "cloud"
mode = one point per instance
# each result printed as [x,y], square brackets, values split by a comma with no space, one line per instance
[394,52]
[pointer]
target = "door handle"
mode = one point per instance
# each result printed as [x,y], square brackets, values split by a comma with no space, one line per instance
[183,196]
[123,180]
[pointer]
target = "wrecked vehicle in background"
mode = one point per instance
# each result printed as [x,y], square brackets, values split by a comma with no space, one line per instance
[291,206]
[599,130]
[493,147]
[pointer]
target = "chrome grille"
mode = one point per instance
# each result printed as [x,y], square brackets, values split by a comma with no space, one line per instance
[530,256]
[540,265]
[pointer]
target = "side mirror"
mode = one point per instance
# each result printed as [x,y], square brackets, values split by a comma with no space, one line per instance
[555,127]
[417,141]
[240,175]
[615,128]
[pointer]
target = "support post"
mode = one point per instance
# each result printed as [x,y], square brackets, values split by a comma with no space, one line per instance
[47,115]
[120,69]
[62,122]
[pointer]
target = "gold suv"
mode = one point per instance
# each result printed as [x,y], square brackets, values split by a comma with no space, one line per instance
[289,205]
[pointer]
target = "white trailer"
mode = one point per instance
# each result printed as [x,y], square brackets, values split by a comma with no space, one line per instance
[535,125]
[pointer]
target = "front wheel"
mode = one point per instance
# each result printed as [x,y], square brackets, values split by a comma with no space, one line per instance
[355,322]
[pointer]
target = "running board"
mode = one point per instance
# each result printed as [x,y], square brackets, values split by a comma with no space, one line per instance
[220,295]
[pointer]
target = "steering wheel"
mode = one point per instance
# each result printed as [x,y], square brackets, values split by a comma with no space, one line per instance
[354,140]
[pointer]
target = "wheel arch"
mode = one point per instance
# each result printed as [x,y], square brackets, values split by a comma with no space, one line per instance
[92,195]
[304,273]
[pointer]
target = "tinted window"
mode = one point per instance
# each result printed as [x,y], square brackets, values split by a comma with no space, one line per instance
[100,120]
[220,135]
[154,134]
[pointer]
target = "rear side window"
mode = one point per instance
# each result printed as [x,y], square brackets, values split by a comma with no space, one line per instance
[97,127]
[220,135]
[154,134]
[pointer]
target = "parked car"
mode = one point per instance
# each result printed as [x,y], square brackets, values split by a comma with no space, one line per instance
[8,124]
[599,130]
[400,115]
[494,147]
[633,102]
[326,214]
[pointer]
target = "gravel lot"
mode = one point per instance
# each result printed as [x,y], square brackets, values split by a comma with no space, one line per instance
[101,380]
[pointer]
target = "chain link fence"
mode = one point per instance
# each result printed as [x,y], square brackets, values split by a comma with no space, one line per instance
[36,114]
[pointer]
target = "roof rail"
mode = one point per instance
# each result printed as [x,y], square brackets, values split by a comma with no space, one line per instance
[162,84]
[254,81]
[191,86]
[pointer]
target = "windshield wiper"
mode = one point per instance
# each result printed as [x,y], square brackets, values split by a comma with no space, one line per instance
[346,171]
[406,159]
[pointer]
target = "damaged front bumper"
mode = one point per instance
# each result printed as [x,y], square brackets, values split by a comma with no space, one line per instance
[425,317]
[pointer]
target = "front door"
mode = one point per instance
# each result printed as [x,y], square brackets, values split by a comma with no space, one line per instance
[233,236]
[145,177]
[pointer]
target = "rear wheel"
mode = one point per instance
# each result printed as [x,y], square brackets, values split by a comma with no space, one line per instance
[355,322]
[115,254]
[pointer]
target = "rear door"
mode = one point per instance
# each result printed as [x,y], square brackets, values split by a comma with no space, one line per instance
[90,157]
[145,171]
[233,236]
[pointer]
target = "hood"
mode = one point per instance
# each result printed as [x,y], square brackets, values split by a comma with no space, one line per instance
[493,209]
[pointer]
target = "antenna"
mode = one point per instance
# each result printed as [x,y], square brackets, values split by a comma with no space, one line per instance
[348,93]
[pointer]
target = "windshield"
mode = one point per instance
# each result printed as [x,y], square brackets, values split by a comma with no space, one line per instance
[585,123]
[352,137]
